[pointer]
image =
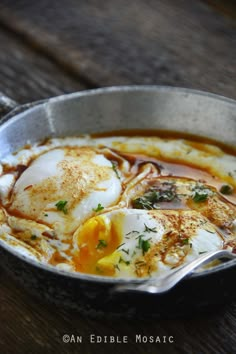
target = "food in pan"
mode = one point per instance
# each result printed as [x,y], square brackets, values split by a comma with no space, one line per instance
[119,206]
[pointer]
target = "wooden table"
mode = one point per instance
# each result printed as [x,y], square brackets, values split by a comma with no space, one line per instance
[53,47]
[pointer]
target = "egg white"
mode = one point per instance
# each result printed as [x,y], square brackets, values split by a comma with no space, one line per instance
[36,212]
[204,156]
[55,177]
[149,226]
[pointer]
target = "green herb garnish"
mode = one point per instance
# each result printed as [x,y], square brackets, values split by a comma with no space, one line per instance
[200,197]
[149,229]
[226,189]
[147,201]
[122,244]
[201,193]
[166,196]
[211,232]
[99,208]
[231,174]
[185,241]
[61,205]
[140,242]
[99,270]
[116,266]
[124,250]
[114,167]
[33,237]
[121,260]
[101,244]
[165,192]
[144,245]
[45,214]
[132,232]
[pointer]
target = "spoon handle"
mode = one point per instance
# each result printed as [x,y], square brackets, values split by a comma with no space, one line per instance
[165,283]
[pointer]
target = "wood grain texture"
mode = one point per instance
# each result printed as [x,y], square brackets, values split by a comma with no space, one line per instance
[25,76]
[181,43]
[30,326]
[228,8]
[63,46]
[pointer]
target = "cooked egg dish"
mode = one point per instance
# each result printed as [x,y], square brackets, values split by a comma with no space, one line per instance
[118,206]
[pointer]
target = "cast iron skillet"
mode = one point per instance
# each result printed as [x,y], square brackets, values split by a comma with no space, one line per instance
[144,107]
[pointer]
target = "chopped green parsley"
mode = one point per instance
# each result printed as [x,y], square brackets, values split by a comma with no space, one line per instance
[200,197]
[163,193]
[114,167]
[201,193]
[185,241]
[144,245]
[121,260]
[61,205]
[101,244]
[99,208]
[116,266]
[149,229]
[226,189]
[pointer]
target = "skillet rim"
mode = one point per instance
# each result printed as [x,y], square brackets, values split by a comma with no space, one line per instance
[14,114]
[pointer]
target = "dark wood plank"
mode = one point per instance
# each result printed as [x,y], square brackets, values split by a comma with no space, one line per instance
[30,326]
[26,76]
[228,8]
[102,43]
[182,43]
[36,326]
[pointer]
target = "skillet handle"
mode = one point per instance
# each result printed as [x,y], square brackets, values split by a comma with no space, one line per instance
[6,104]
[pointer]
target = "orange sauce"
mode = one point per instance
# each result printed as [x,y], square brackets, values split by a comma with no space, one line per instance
[90,247]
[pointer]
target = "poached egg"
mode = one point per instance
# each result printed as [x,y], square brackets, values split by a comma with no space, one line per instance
[137,243]
[118,206]
[62,188]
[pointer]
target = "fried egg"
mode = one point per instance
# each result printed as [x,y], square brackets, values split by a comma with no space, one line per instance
[128,207]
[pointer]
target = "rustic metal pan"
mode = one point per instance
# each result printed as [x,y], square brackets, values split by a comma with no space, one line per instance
[144,107]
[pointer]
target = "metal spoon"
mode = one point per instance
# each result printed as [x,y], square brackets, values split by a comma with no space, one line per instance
[165,283]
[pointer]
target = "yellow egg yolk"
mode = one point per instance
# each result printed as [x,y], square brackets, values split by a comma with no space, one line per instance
[96,239]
